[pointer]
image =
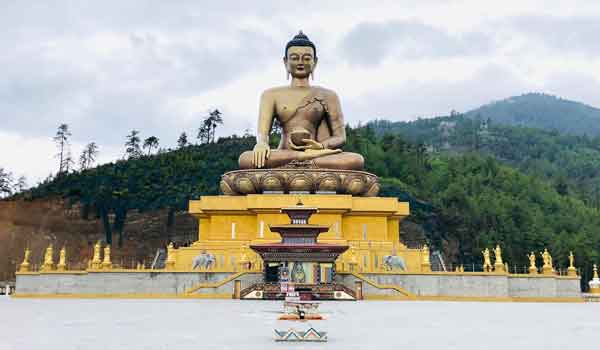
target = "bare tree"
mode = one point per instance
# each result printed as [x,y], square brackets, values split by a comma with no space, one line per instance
[150,143]
[62,143]
[21,184]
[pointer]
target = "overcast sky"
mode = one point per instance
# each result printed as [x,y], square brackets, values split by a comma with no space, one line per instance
[108,67]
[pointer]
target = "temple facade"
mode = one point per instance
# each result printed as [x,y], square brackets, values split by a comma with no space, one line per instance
[369,227]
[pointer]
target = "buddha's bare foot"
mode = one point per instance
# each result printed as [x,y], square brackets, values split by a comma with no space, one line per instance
[313,153]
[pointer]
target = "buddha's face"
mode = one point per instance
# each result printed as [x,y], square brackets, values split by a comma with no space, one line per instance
[300,61]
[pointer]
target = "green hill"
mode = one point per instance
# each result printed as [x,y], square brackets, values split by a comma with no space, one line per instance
[542,111]
[570,163]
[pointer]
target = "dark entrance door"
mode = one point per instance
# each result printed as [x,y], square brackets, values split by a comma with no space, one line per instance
[272,273]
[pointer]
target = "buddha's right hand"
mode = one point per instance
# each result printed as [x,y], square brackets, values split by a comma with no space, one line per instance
[261,154]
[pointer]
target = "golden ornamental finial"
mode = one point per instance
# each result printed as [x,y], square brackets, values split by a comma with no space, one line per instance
[25,265]
[595,272]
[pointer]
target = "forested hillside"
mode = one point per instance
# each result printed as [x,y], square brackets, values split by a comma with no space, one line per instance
[463,201]
[542,111]
[571,164]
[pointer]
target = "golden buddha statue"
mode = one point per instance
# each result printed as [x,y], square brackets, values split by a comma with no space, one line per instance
[311,119]
[48,259]
[309,158]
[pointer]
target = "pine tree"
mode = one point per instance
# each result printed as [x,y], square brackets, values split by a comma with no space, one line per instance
[88,156]
[132,145]
[62,143]
[182,141]
[150,143]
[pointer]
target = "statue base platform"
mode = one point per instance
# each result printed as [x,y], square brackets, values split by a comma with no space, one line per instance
[547,270]
[299,177]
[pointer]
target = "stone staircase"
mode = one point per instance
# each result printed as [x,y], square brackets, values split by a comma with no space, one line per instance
[160,257]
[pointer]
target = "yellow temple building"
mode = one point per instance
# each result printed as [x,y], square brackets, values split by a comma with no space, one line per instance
[370,226]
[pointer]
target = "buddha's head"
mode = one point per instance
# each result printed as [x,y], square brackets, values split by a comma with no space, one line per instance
[300,57]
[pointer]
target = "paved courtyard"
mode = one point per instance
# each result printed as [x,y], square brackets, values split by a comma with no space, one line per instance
[231,324]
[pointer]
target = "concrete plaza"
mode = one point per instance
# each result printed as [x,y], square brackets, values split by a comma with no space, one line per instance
[104,324]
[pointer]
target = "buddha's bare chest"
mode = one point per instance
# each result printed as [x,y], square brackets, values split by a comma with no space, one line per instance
[301,106]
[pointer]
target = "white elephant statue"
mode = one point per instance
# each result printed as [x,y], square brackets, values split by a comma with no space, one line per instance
[204,260]
[392,262]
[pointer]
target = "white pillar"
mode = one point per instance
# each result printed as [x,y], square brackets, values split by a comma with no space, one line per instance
[233,230]
[261,231]
[364,232]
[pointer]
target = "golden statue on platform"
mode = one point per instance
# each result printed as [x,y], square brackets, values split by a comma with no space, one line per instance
[308,158]
[498,264]
[532,267]
[25,265]
[107,263]
[48,259]
[170,263]
[571,270]
[62,260]
[487,261]
[547,268]
[425,262]
[96,261]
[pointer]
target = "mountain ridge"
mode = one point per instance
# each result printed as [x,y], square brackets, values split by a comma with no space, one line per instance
[543,111]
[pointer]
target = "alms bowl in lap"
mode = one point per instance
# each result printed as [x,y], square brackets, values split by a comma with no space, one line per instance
[299,177]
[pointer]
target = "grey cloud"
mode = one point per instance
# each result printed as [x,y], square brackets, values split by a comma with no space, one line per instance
[409,100]
[106,97]
[567,34]
[370,42]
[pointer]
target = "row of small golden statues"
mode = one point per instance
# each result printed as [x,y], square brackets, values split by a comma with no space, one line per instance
[547,267]
[98,262]
[104,262]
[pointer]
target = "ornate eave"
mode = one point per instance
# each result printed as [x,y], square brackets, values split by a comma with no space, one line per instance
[319,252]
